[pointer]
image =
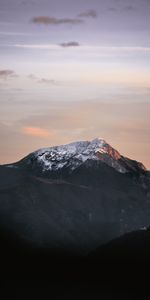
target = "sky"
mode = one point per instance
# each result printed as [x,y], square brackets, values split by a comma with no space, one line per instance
[74,70]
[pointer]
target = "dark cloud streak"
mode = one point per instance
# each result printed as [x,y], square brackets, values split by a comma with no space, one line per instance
[7,74]
[126,8]
[91,13]
[69,44]
[111,8]
[129,8]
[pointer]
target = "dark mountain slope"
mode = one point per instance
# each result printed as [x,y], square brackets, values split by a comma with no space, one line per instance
[132,247]
[75,214]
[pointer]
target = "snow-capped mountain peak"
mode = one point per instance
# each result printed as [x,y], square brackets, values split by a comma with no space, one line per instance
[73,155]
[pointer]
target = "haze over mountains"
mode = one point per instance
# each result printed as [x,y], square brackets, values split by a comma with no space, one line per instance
[74,198]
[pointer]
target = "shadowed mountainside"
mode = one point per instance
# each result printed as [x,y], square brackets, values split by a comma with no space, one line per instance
[75,213]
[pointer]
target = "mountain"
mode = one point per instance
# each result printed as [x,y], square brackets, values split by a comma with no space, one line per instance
[71,156]
[73,198]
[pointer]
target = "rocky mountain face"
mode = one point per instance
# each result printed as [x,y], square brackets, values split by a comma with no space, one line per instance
[73,198]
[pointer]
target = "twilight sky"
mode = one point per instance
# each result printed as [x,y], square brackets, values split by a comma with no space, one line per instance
[74,70]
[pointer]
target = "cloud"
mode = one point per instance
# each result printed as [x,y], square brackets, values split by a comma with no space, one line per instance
[45,20]
[91,13]
[112,9]
[42,80]
[69,44]
[49,20]
[33,77]
[7,74]
[38,46]
[47,81]
[129,8]
[13,33]
[17,89]
[36,131]
[87,48]
[126,8]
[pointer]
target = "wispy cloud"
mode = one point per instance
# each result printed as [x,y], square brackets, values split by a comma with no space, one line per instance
[43,80]
[79,19]
[38,46]
[125,8]
[69,44]
[13,33]
[129,8]
[45,20]
[48,81]
[93,48]
[33,77]
[91,13]
[112,9]
[7,74]
[36,131]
